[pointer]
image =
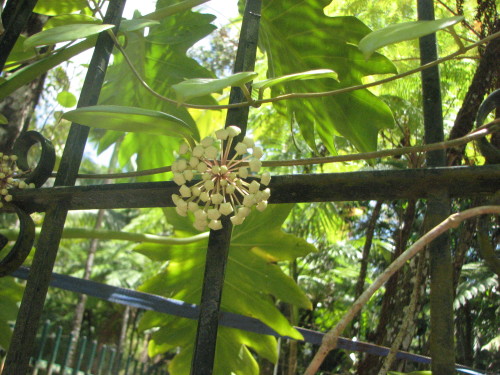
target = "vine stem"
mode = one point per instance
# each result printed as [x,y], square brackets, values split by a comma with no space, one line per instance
[258,103]
[482,131]
[330,339]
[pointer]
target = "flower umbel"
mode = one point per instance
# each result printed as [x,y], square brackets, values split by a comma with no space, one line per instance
[8,170]
[223,188]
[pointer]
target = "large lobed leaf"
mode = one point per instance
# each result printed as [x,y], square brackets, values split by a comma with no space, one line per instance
[297,36]
[252,282]
[161,60]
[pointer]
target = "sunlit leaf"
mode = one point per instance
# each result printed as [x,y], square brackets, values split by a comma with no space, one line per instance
[3,119]
[18,53]
[66,99]
[70,19]
[130,119]
[403,31]
[137,24]
[193,88]
[58,7]
[312,74]
[64,33]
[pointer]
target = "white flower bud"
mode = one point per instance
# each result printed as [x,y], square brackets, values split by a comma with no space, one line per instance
[193,162]
[210,152]
[257,152]
[248,200]
[4,192]
[240,148]
[217,198]
[243,172]
[230,189]
[207,141]
[176,198]
[237,220]
[204,196]
[266,193]
[200,225]
[244,211]
[188,174]
[201,167]
[226,208]
[200,215]
[261,206]
[206,176]
[179,178]
[215,169]
[192,206]
[213,214]
[255,165]
[233,130]
[223,182]
[32,185]
[185,191]
[248,141]
[198,151]
[222,134]
[196,191]
[265,179]
[13,157]
[209,185]
[215,224]
[180,211]
[182,164]
[254,187]
[183,148]
[22,185]
[223,169]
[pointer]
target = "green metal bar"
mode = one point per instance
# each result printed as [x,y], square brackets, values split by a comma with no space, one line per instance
[43,341]
[116,367]
[102,356]
[64,363]
[136,363]
[81,353]
[111,361]
[30,311]
[127,364]
[219,241]
[438,208]
[90,362]
[55,351]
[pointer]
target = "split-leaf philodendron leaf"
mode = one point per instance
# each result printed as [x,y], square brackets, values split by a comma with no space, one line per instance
[130,119]
[297,36]
[253,282]
[403,31]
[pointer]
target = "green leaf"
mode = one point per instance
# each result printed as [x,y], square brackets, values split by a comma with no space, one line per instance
[70,19]
[3,119]
[130,119]
[64,33]
[66,99]
[311,74]
[58,7]
[5,335]
[193,88]
[252,277]
[403,31]
[29,73]
[18,53]
[137,24]
[298,36]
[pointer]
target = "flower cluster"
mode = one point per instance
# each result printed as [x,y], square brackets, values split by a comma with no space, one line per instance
[8,170]
[223,189]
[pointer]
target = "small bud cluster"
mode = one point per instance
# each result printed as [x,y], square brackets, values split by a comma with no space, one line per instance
[223,189]
[8,169]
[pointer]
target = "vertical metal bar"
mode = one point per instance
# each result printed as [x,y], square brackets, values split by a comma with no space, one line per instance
[64,363]
[111,360]
[14,18]
[219,241]
[438,208]
[43,341]
[80,355]
[116,365]
[102,355]
[48,243]
[90,362]
[55,352]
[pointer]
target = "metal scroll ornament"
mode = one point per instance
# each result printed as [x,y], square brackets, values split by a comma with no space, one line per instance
[37,176]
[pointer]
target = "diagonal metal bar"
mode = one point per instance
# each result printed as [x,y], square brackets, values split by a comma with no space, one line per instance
[350,186]
[438,208]
[182,309]
[218,242]
[17,362]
